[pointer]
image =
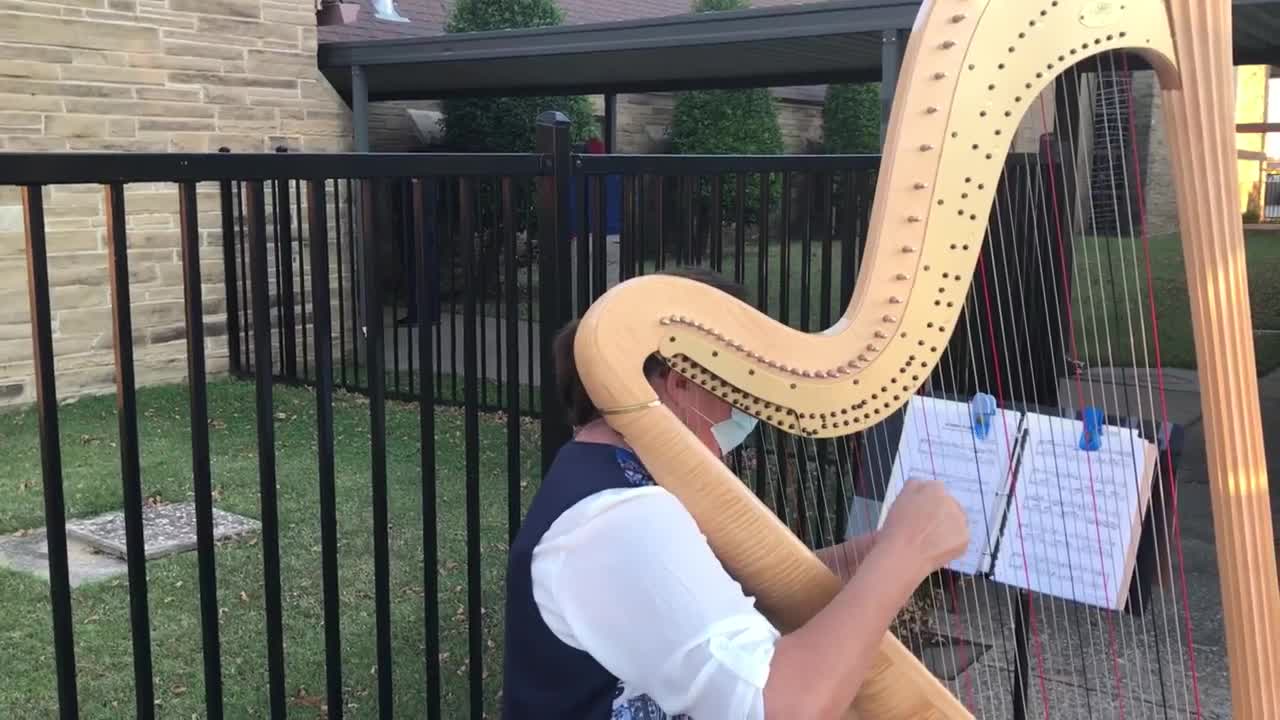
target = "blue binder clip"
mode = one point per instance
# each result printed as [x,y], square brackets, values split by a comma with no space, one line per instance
[981,409]
[1091,438]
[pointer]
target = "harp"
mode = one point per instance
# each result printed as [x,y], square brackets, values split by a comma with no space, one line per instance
[971,73]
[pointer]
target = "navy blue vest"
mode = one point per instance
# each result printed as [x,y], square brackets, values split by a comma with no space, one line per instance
[543,678]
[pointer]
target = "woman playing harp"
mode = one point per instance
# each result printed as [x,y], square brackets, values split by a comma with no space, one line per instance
[617,607]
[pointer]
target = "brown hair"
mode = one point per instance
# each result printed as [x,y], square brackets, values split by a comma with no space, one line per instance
[578,408]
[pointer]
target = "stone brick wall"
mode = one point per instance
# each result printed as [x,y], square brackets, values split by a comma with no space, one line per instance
[142,76]
[643,123]
[1156,165]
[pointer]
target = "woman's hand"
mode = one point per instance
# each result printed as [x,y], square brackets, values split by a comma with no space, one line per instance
[818,669]
[844,558]
[926,525]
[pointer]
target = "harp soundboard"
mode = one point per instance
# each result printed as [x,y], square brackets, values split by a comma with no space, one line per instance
[977,73]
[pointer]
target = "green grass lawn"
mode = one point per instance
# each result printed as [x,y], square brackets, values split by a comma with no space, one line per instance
[1103,316]
[103,649]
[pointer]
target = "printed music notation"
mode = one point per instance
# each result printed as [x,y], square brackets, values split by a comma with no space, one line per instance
[1044,514]
[1076,515]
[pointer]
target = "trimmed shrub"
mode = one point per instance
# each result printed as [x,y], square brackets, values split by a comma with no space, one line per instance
[851,119]
[719,122]
[507,124]
[728,122]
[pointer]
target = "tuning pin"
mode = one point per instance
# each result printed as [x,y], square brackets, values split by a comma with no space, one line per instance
[880,335]
[908,249]
[903,276]
[890,319]
[948,44]
[895,300]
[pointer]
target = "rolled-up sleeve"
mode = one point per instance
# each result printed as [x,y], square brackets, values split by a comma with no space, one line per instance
[628,577]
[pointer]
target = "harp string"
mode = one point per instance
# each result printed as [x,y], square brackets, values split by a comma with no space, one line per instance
[1001,401]
[981,369]
[1092,614]
[1056,234]
[996,689]
[1159,489]
[1117,642]
[1014,361]
[1172,506]
[1120,194]
[1045,613]
[1155,685]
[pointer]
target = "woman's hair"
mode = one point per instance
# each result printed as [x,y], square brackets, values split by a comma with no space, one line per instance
[579,410]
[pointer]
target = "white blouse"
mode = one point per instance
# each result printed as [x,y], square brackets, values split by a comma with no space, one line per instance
[628,577]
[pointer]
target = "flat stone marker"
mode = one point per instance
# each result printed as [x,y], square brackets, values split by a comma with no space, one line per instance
[167,530]
[29,553]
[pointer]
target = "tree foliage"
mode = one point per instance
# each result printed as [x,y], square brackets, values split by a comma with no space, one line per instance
[722,122]
[482,15]
[507,124]
[718,122]
[851,119]
[728,122]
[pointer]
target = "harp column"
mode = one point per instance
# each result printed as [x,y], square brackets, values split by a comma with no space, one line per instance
[1199,114]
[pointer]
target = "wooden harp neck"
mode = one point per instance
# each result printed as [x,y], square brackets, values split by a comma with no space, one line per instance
[973,69]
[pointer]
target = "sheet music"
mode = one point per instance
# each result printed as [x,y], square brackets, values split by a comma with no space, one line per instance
[938,442]
[1073,525]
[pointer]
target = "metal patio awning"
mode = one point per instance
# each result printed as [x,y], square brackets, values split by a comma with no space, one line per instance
[795,45]
[836,41]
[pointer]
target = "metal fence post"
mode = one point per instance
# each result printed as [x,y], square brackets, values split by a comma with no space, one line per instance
[227,209]
[554,280]
[288,299]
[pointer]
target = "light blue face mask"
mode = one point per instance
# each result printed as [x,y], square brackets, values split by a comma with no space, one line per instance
[731,433]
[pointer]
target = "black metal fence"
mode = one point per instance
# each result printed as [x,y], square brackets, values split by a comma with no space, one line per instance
[436,280]
[624,216]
